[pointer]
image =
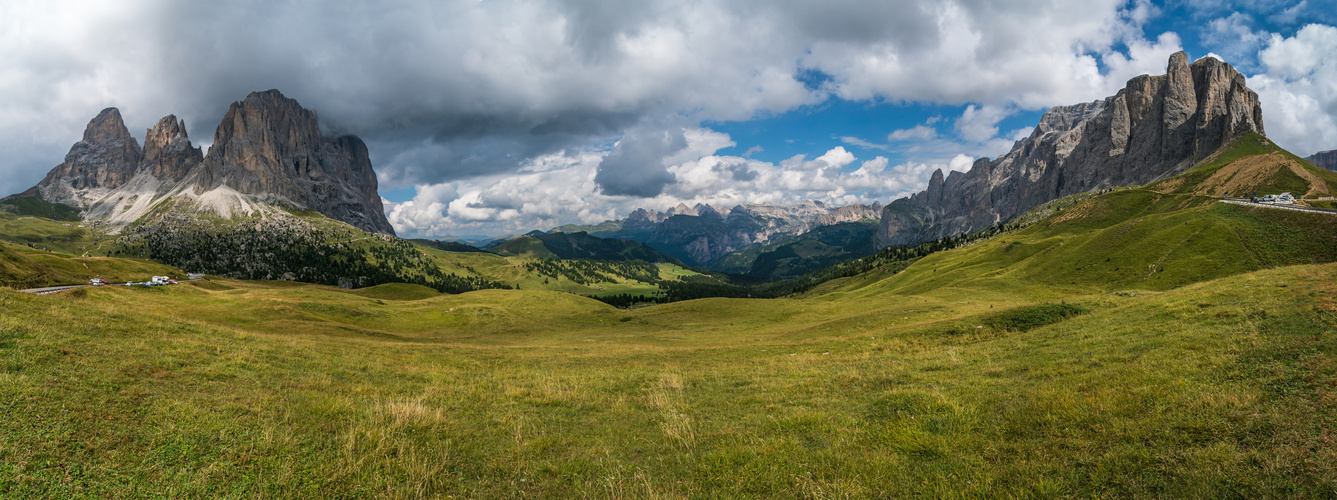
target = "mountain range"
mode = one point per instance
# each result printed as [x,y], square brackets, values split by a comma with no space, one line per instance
[1154,128]
[702,234]
[268,153]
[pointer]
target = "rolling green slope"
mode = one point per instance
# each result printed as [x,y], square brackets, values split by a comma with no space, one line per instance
[30,203]
[23,267]
[524,246]
[228,388]
[448,246]
[1158,237]
[1252,164]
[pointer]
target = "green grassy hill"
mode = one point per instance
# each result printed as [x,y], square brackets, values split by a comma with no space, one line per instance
[229,388]
[448,246]
[1252,164]
[397,291]
[579,245]
[23,267]
[1156,237]
[524,246]
[30,203]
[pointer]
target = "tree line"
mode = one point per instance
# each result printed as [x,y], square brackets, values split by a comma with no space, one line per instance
[289,248]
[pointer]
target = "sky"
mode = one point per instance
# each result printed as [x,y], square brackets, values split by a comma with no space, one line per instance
[491,117]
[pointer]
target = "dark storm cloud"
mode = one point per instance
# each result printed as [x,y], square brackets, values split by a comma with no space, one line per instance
[737,170]
[476,99]
[636,166]
[453,90]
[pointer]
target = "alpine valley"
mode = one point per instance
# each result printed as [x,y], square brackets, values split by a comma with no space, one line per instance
[1099,312]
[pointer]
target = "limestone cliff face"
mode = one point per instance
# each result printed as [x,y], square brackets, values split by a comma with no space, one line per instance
[1156,127]
[269,147]
[1324,159]
[167,151]
[106,158]
[268,150]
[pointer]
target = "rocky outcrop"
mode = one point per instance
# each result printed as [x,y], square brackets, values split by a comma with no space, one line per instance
[168,154]
[269,147]
[701,234]
[267,151]
[106,158]
[1156,127]
[1324,159]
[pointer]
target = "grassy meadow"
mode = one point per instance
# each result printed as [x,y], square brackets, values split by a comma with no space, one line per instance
[227,388]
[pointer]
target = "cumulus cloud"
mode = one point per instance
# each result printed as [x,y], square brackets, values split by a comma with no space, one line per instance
[457,89]
[1299,89]
[463,100]
[979,124]
[565,190]
[1235,38]
[637,166]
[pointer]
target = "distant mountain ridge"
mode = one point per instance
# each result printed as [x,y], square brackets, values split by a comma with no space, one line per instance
[1154,128]
[702,234]
[1324,159]
[268,151]
[791,256]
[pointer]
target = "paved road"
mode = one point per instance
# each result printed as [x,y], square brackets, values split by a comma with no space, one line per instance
[1297,208]
[53,289]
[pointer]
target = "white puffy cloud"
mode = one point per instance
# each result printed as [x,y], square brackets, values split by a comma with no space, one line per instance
[450,90]
[495,111]
[979,124]
[1299,89]
[1030,53]
[564,190]
[1235,38]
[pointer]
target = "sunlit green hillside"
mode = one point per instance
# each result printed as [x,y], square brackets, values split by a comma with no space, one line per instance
[226,388]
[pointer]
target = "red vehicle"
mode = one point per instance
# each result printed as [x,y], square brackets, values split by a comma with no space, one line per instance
[97,281]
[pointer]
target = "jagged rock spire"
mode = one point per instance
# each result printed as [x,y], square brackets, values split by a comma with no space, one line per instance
[106,158]
[167,150]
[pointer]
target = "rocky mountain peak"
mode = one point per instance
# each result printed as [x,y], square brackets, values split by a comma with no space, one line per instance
[106,158]
[681,209]
[107,127]
[268,149]
[1156,127]
[266,122]
[168,153]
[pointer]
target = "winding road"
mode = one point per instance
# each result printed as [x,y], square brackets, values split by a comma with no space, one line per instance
[1298,208]
[60,288]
